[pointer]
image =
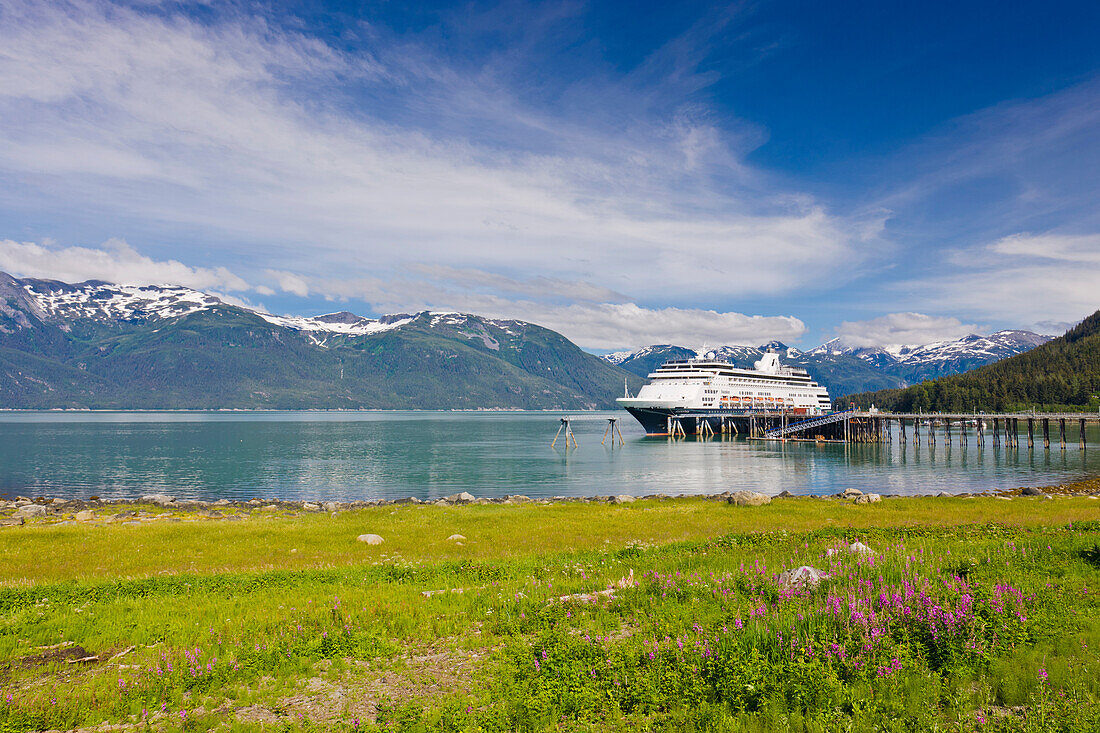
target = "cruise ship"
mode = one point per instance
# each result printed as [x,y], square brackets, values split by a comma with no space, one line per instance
[698,387]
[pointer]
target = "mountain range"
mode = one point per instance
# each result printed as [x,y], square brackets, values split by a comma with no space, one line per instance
[98,345]
[1063,373]
[845,369]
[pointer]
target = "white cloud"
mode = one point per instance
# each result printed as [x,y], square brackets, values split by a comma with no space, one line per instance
[1082,249]
[629,326]
[589,322]
[115,262]
[248,133]
[290,283]
[902,329]
[1029,280]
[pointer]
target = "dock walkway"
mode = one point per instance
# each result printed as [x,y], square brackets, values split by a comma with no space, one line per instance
[867,426]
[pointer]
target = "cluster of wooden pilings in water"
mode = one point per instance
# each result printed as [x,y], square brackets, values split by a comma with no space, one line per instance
[1006,430]
[876,427]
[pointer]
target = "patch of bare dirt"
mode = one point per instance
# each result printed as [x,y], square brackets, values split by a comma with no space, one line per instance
[72,653]
[357,692]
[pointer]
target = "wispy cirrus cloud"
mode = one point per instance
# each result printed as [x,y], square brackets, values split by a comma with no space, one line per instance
[277,145]
[1040,280]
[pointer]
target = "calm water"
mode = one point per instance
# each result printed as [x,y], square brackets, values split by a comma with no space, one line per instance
[343,456]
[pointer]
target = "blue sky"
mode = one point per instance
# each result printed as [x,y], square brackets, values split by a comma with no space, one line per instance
[626,174]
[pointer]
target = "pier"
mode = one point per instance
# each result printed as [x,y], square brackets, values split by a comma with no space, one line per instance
[867,426]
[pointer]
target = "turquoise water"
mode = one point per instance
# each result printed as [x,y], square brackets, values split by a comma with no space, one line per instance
[371,455]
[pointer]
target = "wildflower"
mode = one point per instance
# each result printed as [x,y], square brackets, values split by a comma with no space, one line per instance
[1042,674]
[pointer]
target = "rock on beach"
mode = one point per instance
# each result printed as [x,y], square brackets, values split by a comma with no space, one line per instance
[867,498]
[159,499]
[749,498]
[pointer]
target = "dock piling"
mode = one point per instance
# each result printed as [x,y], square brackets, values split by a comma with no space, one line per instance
[612,429]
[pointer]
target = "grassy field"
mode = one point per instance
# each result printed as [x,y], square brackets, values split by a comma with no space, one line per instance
[961,614]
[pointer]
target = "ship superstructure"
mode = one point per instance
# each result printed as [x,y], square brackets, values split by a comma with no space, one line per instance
[707,387]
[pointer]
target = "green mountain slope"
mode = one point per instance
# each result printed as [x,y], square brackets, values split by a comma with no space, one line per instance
[1063,371]
[223,356]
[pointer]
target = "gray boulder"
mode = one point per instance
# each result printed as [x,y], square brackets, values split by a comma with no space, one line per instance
[370,539]
[860,548]
[621,499]
[159,499]
[310,506]
[867,499]
[1032,491]
[749,498]
[464,498]
[804,575]
[85,516]
[30,510]
[456,537]
[850,493]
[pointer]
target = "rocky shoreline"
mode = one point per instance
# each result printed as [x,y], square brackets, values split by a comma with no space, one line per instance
[161,507]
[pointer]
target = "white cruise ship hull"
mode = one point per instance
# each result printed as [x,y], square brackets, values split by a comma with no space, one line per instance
[689,392]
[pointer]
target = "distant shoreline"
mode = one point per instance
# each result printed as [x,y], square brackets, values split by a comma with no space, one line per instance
[155,410]
[58,508]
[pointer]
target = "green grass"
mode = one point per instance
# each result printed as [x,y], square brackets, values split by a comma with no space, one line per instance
[285,620]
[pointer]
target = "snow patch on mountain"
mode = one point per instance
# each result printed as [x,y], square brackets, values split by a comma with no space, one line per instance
[343,323]
[100,301]
[993,347]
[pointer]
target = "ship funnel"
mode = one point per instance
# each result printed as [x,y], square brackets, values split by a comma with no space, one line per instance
[768,363]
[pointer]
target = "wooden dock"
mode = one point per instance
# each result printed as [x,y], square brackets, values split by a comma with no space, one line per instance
[864,426]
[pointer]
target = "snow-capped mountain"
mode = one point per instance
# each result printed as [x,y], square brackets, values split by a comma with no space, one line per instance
[845,369]
[917,362]
[99,345]
[103,302]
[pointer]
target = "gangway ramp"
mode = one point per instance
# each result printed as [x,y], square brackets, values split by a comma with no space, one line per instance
[798,427]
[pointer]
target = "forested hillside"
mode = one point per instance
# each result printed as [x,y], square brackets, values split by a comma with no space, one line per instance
[1061,372]
[96,345]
